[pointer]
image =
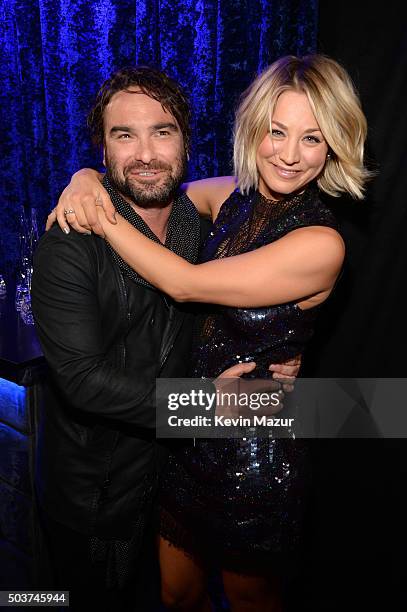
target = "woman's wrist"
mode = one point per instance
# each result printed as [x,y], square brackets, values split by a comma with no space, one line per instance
[89,173]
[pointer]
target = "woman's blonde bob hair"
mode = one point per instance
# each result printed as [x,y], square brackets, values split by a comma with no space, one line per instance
[336,107]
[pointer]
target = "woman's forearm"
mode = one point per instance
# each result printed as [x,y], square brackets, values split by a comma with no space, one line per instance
[155,263]
[304,263]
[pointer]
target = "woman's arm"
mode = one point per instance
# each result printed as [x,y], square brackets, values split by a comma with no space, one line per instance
[209,194]
[300,265]
[85,189]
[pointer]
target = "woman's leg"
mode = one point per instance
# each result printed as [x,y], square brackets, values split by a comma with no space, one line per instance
[183,581]
[252,593]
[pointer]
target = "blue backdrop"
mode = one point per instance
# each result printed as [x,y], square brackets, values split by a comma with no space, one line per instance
[56,53]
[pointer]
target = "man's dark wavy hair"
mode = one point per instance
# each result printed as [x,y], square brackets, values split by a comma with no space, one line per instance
[152,82]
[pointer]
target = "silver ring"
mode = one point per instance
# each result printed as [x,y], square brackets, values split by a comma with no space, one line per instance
[69,211]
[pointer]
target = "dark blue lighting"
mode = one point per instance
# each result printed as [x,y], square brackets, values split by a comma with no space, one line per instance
[12,404]
[55,55]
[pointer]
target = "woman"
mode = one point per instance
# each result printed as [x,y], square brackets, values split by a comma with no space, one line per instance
[271,260]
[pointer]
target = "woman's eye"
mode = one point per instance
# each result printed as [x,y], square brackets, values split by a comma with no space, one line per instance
[312,139]
[275,132]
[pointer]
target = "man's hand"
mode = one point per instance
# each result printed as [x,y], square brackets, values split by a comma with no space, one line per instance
[229,384]
[79,202]
[287,372]
[284,375]
[238,370]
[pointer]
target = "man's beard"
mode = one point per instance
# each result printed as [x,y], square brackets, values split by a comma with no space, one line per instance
[147,195]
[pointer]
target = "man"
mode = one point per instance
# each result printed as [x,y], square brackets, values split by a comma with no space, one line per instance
[107,335]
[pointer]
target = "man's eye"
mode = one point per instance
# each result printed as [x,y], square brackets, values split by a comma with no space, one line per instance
[163,132]
[123,136]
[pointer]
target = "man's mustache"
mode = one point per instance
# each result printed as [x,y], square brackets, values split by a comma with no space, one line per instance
[147,167]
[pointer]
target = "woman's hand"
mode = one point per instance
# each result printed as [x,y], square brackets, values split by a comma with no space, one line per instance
[77,206]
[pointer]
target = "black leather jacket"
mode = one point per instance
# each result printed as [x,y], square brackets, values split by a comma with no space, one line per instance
[105,340]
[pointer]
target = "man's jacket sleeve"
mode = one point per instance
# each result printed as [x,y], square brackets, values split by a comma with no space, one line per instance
[68,322]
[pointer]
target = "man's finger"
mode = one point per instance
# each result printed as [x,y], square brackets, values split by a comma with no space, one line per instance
[285,370]
[238,370]
[285,377]
[294,361]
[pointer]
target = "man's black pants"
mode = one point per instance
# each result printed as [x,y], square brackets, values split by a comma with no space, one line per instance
[72,567]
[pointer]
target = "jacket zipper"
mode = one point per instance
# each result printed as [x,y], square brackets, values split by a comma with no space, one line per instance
[126,314]
[103,491]
[169,343]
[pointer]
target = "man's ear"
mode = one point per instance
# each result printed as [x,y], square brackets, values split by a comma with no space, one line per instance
[104,157]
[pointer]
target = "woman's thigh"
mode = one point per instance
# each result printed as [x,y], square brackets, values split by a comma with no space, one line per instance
[183,579]
[252,593]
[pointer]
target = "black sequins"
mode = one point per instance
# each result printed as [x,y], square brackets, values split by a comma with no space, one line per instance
[243,500]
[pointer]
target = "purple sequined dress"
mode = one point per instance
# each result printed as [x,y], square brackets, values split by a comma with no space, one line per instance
[241,502]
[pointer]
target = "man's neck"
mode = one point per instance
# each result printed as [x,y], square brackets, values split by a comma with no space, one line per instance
[156,217]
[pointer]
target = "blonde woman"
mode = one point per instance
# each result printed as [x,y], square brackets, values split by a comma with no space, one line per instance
[271,260]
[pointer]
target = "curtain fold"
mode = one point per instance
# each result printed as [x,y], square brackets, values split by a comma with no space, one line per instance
[56,53]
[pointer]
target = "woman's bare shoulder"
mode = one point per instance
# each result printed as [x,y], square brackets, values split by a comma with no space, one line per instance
[209,194]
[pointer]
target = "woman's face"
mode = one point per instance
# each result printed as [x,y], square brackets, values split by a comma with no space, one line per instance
[295,151]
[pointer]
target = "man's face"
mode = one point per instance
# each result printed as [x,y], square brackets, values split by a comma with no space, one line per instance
[144,151]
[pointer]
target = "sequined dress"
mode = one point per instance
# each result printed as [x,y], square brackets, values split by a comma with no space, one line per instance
[241,502]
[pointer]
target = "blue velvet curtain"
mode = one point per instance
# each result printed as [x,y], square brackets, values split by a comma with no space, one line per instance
[56,53]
